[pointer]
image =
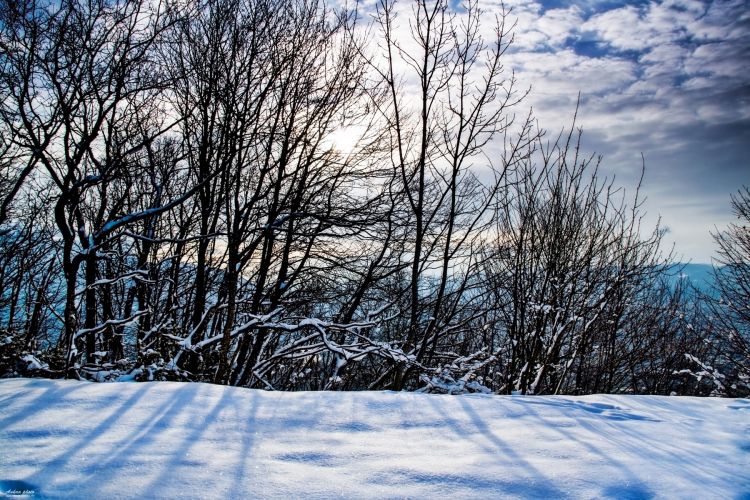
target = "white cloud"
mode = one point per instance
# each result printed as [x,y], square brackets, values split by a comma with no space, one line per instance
[720,60]
[566,72]
[560,24]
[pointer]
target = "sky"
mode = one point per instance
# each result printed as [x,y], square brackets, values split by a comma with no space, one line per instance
[666,79]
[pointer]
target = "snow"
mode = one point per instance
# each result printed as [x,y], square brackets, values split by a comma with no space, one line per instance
[32,363]
[191,440]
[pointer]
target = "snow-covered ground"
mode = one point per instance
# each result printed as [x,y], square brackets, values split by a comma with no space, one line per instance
[173,440]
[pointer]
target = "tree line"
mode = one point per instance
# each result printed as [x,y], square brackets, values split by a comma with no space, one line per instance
[291,196]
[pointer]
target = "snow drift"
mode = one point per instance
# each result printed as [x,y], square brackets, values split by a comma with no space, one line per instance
[174,440]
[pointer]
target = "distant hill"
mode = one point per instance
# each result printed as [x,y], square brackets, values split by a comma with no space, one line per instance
[700,275]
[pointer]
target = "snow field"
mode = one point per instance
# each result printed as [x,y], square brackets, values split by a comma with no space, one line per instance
[62,439]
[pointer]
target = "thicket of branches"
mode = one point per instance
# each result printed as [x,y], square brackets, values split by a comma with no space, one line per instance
[289,196]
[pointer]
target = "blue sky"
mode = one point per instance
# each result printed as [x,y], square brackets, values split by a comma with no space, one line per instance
[669,79]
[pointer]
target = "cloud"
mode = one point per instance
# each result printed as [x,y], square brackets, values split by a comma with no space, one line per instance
[565,72]
[666,78]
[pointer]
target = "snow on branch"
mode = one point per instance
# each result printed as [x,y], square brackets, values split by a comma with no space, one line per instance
[110,323]
[458,376]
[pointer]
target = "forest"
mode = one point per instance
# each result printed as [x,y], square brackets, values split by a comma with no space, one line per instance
[301,196]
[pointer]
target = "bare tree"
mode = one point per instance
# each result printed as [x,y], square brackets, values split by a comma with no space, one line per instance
[81,97]
[570,259]
[462,101]
[728,325]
